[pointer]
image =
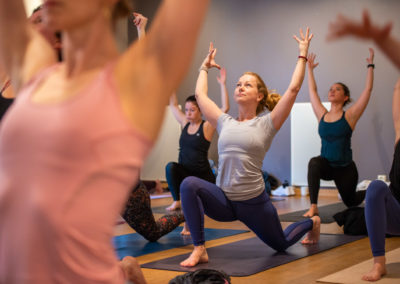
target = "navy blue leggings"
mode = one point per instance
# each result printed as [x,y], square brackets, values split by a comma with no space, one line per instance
[382,215]
[200,196]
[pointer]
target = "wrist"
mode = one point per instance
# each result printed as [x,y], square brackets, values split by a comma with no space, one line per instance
[371,65]
[302,57]
[303,52]
[203,68]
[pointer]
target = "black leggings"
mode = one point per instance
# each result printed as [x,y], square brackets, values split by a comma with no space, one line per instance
[345,178]
[176,173]
[139,216]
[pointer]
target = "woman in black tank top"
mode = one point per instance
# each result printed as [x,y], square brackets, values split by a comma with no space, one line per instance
[194,143]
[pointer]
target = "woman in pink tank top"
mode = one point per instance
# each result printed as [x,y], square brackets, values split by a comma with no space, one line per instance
[72,143]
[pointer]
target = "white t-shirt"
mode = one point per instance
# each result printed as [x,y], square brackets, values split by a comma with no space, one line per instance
[241,148]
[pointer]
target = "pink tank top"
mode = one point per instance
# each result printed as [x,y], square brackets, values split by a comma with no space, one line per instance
[66,170]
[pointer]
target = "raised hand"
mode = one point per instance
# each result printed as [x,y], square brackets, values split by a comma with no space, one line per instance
[222,76]
[209,61]
[139,21]
[365,29]
[304,41]
[311,61]
[370,59]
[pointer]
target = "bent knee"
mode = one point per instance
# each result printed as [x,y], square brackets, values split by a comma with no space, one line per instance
[376,189]
[189,184]
[314,163]
[170,166]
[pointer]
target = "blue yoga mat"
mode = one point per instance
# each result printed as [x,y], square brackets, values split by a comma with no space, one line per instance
[136,245]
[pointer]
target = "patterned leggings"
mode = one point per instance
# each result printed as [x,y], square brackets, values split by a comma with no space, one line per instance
[139,216]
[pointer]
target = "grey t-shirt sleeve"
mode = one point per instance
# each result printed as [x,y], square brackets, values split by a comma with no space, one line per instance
[269,127]
[221,120]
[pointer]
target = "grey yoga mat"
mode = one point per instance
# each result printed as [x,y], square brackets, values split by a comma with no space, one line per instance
[250,256]
[326,213]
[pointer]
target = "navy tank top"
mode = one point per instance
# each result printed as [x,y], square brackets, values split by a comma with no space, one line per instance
[193,150]
[394,175]
[336,141]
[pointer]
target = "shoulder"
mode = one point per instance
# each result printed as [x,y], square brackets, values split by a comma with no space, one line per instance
[185,125]
[223,119]
[266,121]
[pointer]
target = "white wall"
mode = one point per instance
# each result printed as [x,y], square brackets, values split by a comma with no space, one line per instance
[165,150]
[305,142]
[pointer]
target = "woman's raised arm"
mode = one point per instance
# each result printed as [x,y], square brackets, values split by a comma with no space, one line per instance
[152,68]
[282,110]
[209,109]
[315,100]
[356,110]
[22,50]
[366,29]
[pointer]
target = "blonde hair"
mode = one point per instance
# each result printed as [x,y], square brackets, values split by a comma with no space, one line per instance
[121,9]
[271,97]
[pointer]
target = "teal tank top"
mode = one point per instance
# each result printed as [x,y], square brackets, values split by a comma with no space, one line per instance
[336,141]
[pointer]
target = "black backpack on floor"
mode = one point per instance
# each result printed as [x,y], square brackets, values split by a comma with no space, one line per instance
[353,221]
[202,276]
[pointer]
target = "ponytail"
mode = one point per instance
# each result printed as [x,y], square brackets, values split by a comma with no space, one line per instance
[270,98]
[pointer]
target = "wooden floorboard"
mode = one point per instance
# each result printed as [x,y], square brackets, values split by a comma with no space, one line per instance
[305,270]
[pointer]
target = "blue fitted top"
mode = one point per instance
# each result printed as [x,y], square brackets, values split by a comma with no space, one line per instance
[336,141]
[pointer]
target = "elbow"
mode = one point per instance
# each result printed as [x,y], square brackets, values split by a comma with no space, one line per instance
[294,89]
[368,90]
[199,94]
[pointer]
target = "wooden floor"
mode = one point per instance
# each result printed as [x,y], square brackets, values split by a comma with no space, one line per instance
[305,270]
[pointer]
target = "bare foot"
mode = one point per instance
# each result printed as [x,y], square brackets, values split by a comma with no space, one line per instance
[176,205]
[312,211]
[132,271]
[185,230]
[199,255]
[312,236]
[377,271]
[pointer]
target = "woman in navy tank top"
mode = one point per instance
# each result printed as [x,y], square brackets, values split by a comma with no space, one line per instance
[335,129]
[194,143]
